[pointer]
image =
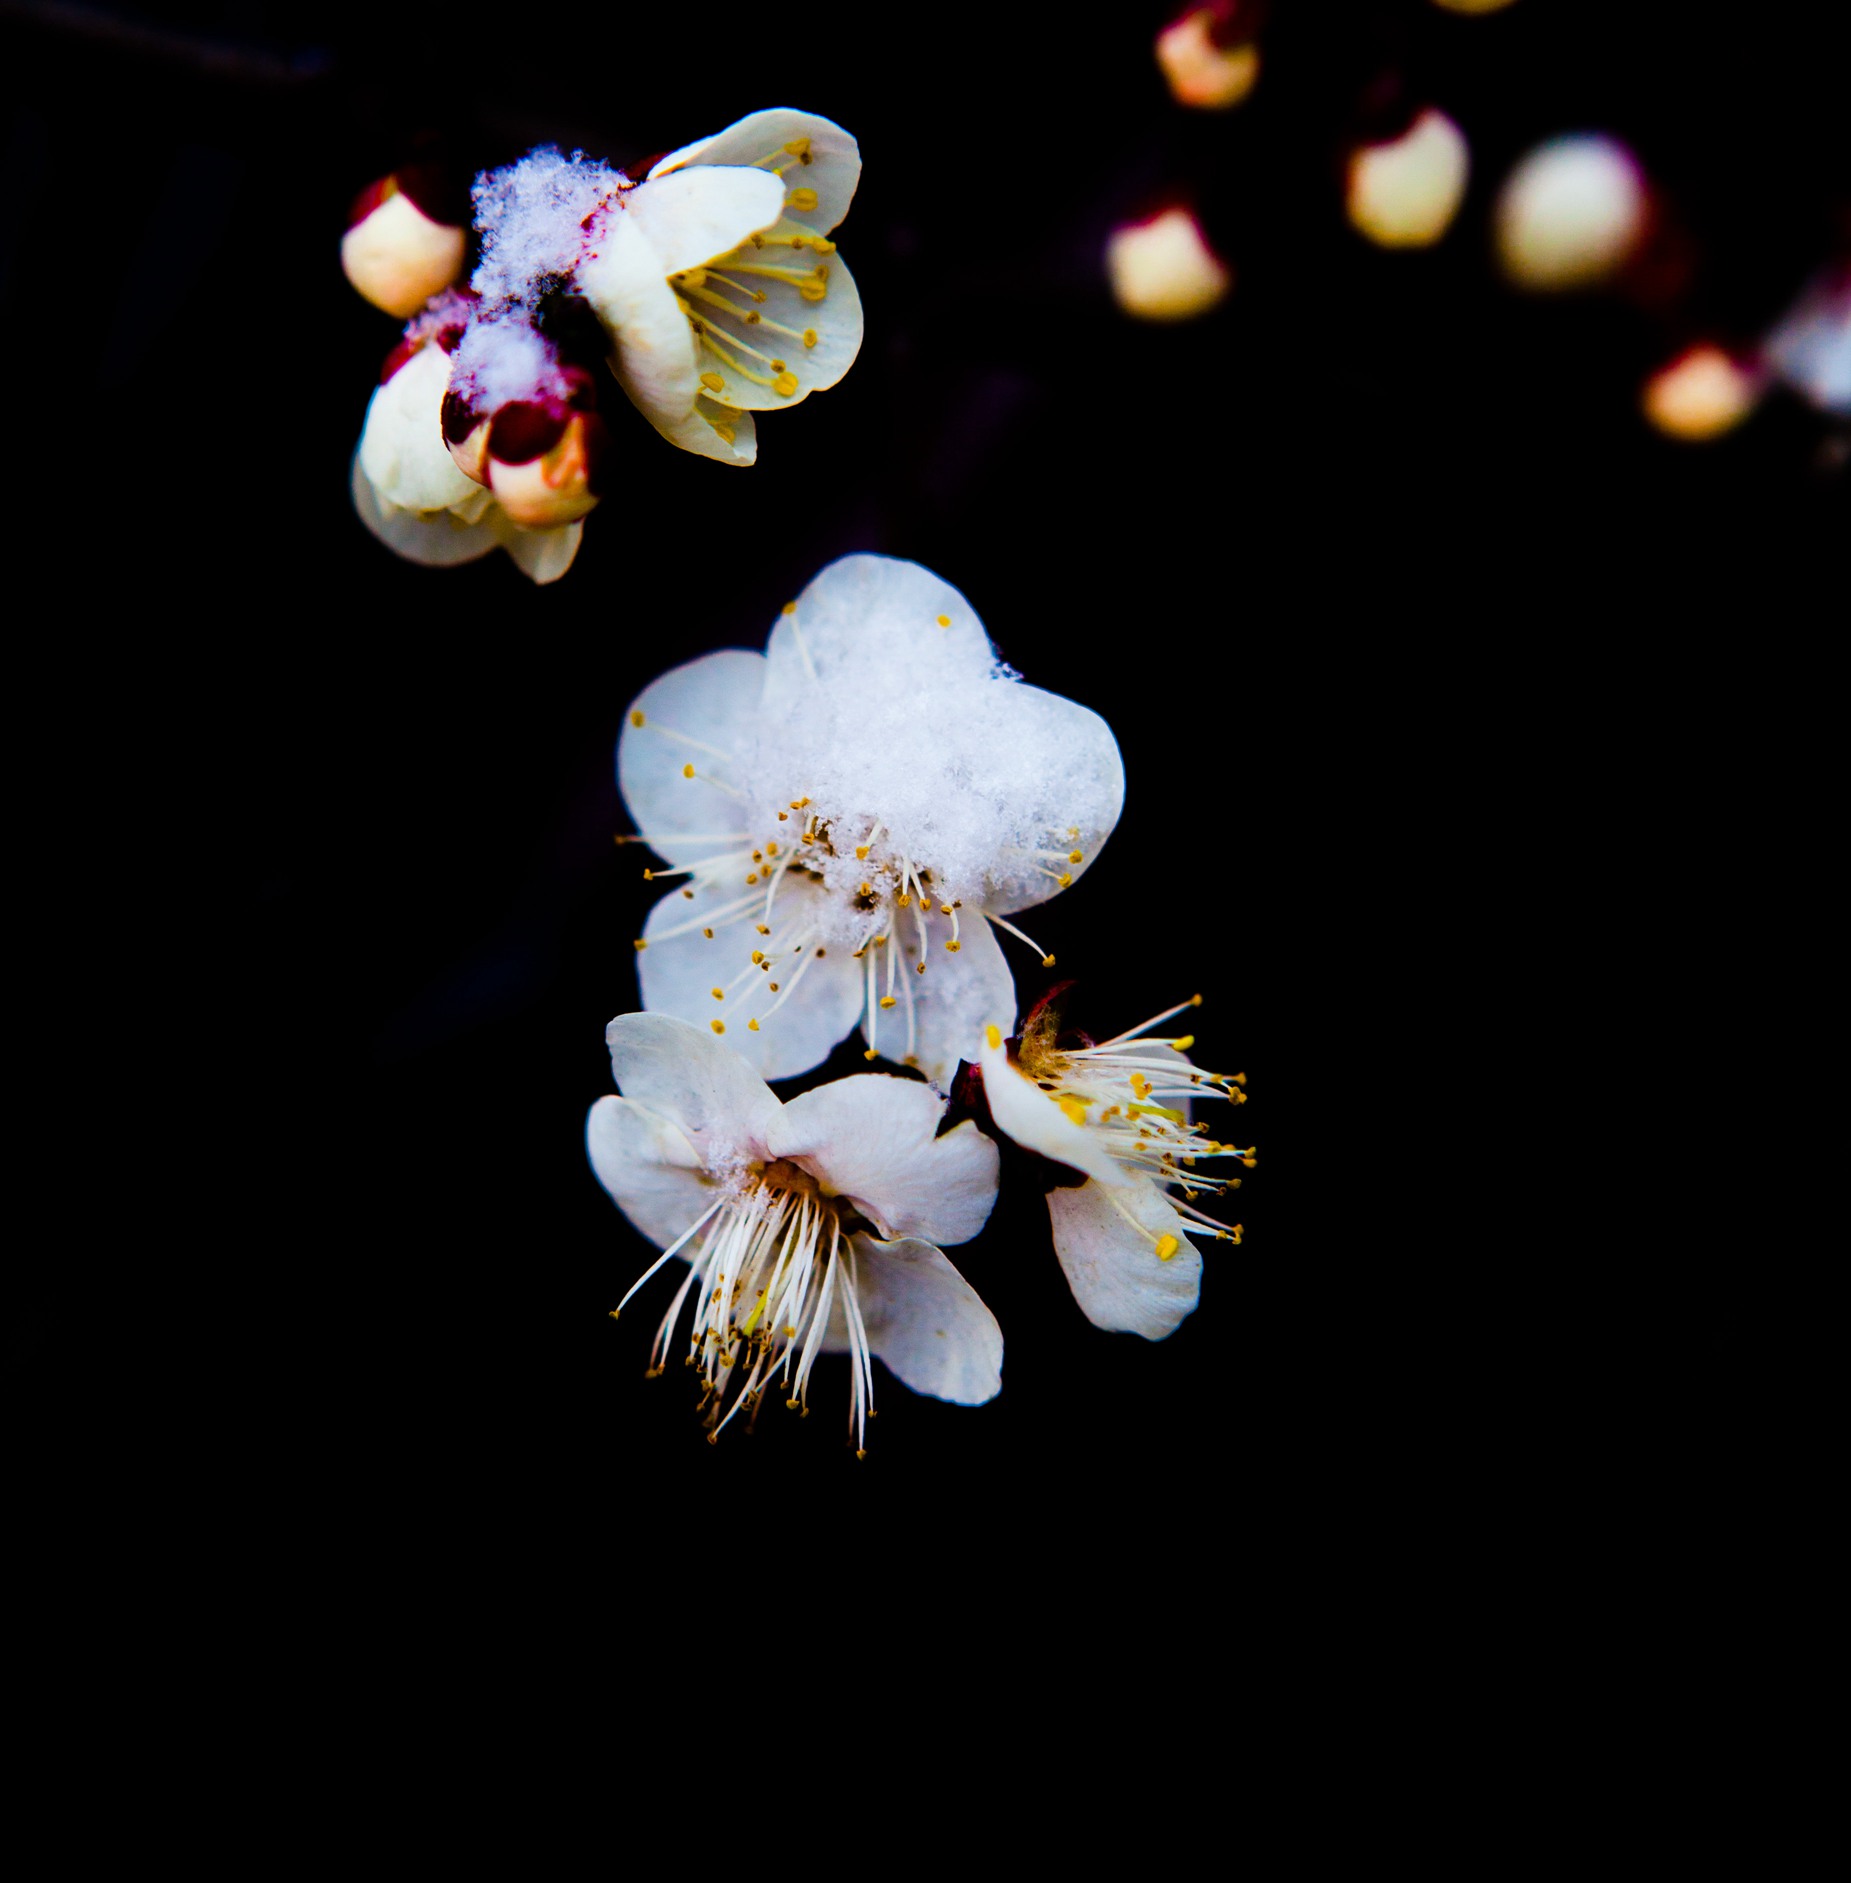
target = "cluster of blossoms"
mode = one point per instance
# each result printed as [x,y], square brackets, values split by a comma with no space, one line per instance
[850,821]
[707,288]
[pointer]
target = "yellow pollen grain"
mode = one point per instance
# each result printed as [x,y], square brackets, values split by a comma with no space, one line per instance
[804,198]
[719,993]
[751,1026]
[713,382]
[687,771]
[994,1036]
[719,1026]
[809,336]
[1076,1112]
[1167,1247]
[861,853]
[785,384]
[944,621]
[636,717]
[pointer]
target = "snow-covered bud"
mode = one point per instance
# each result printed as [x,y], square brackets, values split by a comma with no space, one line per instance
[1571,214]
[1404,191]
[1700,395]
[404,241]
[1163,268]
[519,420]
[1207,53]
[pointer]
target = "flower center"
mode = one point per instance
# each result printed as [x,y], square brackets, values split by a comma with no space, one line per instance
[770,1266]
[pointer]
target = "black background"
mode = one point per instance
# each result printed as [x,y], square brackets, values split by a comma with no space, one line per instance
[1394,603]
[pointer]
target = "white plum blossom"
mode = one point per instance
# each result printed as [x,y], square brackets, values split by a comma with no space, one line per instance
[717,281]
[853,812]
[1118,1112]
[408,490]
[808,1227]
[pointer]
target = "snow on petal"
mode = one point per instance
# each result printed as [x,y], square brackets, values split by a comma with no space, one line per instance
[941,1014]
[718,1103]
[654,1175]
[927,1323]
[695,716]
[1119,1280]
[870,1138]
[691,215]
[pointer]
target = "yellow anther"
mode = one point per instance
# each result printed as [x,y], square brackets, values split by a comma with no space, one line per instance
[784,385]
[944,621]
[904,901]
[636,717]
[726,432]
[774,987]
[1076,856]
[797,147]
[1076,1112]
[822,245]
[1167,1247]
[1047,961]
[639,944]
[1183,1042]
[809,336]
[751,1026]
[751,878]
[777,366]
[719,993]
[1140,1085]
[687,771]
[708,933]
[719,1026]
[1066,882]
[784,817]
[887,1000]
[802,198]
[771,849]
[761,927]
[649,876]
[951,948]
[1236,1232]
[920,969]
[1235,1078]
[870,1054]
[861,855]
[813,290]
[789,608]
[758,955]
[944,908]
[713,382]
[867,889]
[1251,1162]
[994,1035]
[1195,1000]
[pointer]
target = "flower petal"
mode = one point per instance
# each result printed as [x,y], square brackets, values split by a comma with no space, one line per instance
[870,1138]
[1035,1120]
[712,431]
[542,555]
[694,715]
[777,322]
[927,1322]
[653,1173]
[719,1104]
[952,1002]
[437,539]
[678,972]
[703,210]
[832,170]
[1078,789]
[654,356]
[1116,1274]
[407,462]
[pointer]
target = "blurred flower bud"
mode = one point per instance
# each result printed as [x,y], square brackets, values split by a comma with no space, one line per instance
[1811,347]
[401,246]
[1207,53]
[1163,268]
[1571,213]
[1405,191]
[1700,395]
[1472,6]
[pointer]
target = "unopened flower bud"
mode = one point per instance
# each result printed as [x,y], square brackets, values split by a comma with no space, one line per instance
[1207,53]
[404,241]
[1810,348]
[544,456]
[1472,6]
[1571,213]
[1163,268]
[1404,191]
[1700,395]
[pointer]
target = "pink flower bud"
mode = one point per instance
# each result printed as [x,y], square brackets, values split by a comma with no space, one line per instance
[400,247]
[1163,268]
[540,455]
[1207,53]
